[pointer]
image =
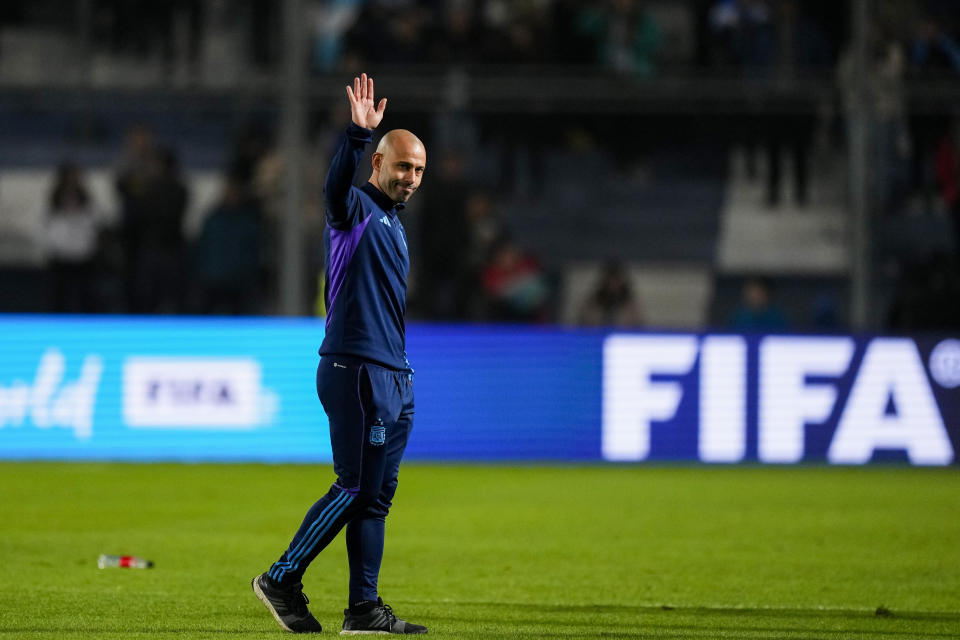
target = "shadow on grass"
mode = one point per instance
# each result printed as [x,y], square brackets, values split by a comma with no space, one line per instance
[665,621]
[186,632]
[643,622]
[773,612]
[784,612]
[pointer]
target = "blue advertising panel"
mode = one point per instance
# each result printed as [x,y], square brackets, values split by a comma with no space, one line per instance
[102,387]
[121,388]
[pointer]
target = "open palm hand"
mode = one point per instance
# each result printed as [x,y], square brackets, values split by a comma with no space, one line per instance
[362,104]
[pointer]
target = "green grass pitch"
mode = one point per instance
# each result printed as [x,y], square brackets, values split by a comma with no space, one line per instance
[494,551]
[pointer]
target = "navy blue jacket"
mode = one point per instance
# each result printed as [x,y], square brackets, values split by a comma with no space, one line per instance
[366,263]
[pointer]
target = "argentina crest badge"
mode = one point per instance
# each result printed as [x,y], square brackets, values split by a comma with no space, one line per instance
[378,433]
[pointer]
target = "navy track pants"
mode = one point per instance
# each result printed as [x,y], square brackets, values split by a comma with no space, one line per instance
[370,410]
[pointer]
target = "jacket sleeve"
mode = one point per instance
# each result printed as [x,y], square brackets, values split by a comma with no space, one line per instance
[338,196]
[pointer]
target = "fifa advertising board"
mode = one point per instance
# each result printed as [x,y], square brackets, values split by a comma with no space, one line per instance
[216,389]
[781,399]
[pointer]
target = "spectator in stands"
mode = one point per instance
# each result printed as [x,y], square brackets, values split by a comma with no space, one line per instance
[825,314]
[330,21]
[612,302]
[742,33]
[162,270]
[514,285]
[934,50]
[457,37]
[408,35]
[133,185]
[947,172]
[252,144]
[227,254]
[382,29]
[757,311]
[268,188]
[443,239]
[459,228]
[168,29]
[484,226]
[72,229]
[518,32]
[927,295]
[154,201]
[725,24]
[264,32]
[779,41]
[741,38]
[802,49]
[624,35]
[885,103]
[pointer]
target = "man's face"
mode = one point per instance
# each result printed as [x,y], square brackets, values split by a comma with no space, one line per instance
[400,170]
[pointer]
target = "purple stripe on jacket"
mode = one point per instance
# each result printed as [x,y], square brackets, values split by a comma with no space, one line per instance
[343,244]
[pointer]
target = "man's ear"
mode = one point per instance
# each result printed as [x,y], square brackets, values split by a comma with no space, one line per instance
[377,161]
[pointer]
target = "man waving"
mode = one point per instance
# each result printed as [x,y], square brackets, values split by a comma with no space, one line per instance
[364,380]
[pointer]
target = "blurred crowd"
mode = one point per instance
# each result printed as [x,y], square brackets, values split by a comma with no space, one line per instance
[143,262]
[471,265]
[635,36]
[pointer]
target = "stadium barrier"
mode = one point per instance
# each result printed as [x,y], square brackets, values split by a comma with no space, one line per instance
[216,389]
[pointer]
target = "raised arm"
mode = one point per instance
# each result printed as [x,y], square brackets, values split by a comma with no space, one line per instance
[343,167]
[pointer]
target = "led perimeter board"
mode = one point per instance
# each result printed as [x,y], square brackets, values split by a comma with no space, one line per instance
[217,389]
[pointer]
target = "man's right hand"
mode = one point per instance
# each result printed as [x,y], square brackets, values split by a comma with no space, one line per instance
[362,103]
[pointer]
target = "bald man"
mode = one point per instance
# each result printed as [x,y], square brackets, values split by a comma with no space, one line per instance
[364,380]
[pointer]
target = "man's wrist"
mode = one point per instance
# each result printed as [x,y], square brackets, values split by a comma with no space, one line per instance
[359,133]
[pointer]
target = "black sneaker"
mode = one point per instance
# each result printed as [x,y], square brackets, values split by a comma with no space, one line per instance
[380,619]
[288,606]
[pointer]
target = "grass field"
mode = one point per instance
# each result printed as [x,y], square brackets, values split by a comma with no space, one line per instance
[494,552]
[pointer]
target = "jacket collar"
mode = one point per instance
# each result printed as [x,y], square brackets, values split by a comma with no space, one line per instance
[381,199]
